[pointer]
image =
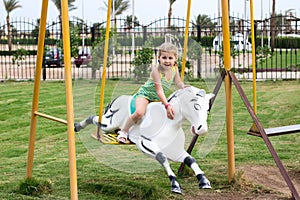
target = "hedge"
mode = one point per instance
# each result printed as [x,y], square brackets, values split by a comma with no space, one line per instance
[206,41]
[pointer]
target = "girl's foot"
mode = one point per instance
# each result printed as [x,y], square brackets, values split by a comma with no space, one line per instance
[122,137]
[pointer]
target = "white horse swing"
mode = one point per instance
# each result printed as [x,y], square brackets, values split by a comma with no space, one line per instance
[158,136]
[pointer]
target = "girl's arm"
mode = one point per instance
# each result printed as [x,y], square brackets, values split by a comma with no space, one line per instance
[160,92]
[177,79]
[158,87]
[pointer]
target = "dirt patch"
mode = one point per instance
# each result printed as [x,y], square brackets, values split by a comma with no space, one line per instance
[270,177]
[254,183]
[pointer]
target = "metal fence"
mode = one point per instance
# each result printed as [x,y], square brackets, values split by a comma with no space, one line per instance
[277,47]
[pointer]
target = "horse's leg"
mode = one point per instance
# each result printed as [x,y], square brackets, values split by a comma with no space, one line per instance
[81,125]
[203,181]
[151,149]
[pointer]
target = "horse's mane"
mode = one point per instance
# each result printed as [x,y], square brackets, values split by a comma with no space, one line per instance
[109,105]
[179,91]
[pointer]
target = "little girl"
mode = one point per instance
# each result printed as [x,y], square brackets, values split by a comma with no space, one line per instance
[160,81]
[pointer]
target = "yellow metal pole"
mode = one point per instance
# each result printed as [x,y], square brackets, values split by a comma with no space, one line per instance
[36,91]
[186,36]
[228,90]
[69,100]
[104,62]
[253,55]
[51,118]
[254,128]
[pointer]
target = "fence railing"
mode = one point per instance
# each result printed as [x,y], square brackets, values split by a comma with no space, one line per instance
[277,48]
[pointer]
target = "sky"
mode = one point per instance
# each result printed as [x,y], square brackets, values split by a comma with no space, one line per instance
[150,10]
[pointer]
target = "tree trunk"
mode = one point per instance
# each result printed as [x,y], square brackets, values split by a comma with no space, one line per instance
[94,73]
[61,27]
[229,8]
[9,35]
[169,17]
[273,28]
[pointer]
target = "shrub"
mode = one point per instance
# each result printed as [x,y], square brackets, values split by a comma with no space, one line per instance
[141,63]
[18,56]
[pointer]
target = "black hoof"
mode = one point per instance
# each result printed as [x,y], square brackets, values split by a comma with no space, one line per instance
[203,182]
[176,190]
[175,187]
[77,127]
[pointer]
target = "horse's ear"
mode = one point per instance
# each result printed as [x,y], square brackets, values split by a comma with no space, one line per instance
[210,95]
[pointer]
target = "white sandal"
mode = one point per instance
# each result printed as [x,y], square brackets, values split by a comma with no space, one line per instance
[122,137]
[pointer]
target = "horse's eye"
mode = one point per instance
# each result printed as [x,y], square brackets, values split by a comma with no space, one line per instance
[197,106]
[201,93]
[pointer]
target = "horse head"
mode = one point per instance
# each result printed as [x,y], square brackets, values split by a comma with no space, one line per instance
[194,105]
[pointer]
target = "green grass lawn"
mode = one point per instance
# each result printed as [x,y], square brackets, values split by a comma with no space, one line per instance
[107,171]
[285,59]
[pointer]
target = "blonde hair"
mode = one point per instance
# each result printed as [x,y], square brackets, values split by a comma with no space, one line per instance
[168,47]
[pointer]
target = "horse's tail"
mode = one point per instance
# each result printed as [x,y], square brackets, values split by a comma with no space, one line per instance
[81,125]
[90,120]
[94,119]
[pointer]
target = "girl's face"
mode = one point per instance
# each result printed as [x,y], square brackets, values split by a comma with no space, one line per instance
[167,59]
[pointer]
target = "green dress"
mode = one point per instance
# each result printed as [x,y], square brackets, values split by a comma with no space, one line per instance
[148,91]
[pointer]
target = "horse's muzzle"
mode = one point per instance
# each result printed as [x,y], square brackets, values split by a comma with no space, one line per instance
[200,130]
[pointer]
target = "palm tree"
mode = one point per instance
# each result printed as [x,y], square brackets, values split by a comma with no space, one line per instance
[203,21]
[120,6]
[10,5]
[170,13]
[128,22]
[57,3]
[71,7]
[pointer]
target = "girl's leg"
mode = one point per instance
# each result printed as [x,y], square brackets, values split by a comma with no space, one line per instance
[141,105]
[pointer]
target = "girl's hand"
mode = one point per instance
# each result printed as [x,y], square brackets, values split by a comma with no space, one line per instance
[170,112]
